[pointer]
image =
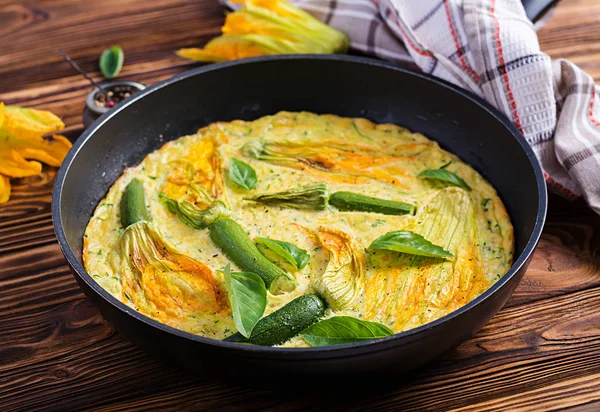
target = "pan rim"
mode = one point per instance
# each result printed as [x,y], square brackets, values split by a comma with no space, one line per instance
[337,350]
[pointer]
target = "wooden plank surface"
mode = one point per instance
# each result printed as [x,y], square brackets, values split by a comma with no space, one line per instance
[541,352]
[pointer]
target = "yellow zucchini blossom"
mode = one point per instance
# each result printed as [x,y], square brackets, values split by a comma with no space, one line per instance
[198,176]
[418,289]
[342,284]
[264,27]
[163,283]
[23,144]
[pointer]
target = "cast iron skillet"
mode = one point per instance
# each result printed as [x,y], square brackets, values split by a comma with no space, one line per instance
[346,86]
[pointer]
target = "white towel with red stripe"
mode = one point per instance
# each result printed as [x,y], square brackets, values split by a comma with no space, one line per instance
[490,48]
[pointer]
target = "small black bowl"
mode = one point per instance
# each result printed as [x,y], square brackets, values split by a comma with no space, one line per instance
[93,111]
[342,85]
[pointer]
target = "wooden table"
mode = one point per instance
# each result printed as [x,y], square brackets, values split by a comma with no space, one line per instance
[542,351]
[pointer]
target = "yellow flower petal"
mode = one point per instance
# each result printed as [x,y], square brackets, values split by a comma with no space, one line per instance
[223,48]
[30,123]
[4,189]
[52,152]
[12,164]
[244,22]
[281,7]
[197,54]
[2,115]
[40,155]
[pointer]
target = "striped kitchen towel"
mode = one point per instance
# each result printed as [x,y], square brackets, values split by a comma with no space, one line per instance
[490,48]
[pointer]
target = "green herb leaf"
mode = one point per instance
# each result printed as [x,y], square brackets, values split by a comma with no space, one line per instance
[111,62]
[243,174]
[247,296]
[409,242]
[291,253]
[359,132]
[343,329]
[484,204]
[445,165]
[444,176]
[236,337]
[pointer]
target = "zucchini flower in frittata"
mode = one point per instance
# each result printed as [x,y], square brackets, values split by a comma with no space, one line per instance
[156,278]
[421,289]
[198,176]
[333,163]
[342,284]
[194,189]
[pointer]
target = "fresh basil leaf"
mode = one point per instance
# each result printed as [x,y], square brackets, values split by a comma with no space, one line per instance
[291,253]
[444,176]
[111,62]
[243,174]
[343,329]
[409,242]
[247,296]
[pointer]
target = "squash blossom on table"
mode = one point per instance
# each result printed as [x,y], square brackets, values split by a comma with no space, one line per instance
[264,27]
[24,144]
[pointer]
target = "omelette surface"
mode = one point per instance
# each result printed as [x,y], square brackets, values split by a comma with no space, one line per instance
[379,160]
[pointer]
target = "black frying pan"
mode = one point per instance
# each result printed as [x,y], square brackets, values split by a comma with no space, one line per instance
[346,86]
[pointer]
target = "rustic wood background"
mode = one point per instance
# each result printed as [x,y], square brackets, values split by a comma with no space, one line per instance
[541,352]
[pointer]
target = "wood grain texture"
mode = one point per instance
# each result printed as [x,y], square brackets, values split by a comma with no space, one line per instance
[541,352]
